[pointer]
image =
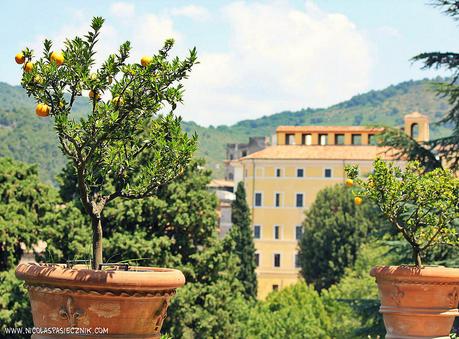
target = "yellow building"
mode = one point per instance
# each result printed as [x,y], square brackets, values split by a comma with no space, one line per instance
[282,182]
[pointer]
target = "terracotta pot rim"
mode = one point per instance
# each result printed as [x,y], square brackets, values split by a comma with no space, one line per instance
[407,272]
[139,278]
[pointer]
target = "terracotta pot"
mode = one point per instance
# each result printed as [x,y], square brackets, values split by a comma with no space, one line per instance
[123,304]
[417,303]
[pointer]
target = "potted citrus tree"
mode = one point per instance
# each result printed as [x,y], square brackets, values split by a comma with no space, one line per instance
[416,300]
[128,145]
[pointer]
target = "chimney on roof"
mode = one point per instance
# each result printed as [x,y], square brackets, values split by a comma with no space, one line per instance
[417,126]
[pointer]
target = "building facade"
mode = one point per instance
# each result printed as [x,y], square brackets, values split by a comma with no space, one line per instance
[236,151]
[224,191]
[283,180]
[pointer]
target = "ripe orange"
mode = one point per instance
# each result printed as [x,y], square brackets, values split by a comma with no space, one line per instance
[28,67]
[57,57]
[42,110]
[349,182]
[20,58]
[146,60]
[93,94]
[358,200]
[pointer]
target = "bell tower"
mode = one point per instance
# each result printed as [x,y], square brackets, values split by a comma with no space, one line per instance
[417,126]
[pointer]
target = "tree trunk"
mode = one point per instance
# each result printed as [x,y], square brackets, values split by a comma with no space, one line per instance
[96,242]
[417,257]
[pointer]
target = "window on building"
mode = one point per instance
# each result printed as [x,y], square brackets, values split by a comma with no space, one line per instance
[290,139]
[231,176]
[339,139]
[297,261]
[244,153]
[277,232]
[323,139]
[356,139]
[298,232]
[231,157]
[257,232]
[328,173]
[275,287]
[299,200]
[258,199]
[371,139]
[300,172]
[306,139]
[278,172]
[257,259]
[277,260]
[277,200]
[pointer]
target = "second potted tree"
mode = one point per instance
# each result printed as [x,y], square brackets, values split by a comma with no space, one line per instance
[417,301]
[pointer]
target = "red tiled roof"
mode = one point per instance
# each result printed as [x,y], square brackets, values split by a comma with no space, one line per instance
[328,152]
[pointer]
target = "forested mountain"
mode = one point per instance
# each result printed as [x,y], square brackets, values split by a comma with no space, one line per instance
[25,137]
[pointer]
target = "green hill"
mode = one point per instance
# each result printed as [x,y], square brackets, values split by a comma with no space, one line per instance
[27,138]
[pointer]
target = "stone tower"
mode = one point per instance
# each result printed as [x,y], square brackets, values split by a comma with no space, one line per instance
[417,126]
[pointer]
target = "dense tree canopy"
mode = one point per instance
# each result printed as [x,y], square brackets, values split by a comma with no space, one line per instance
[32,213]
[295,312]
[241,233]
[24,200]
[212,304]
[334,229]
[353,302]
[14,305]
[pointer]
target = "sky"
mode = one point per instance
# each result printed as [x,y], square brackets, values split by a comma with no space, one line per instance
[257,57]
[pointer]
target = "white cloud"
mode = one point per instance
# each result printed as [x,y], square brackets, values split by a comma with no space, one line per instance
[105,46]
[146,32]
[151,33]
[193,12]
[122,10]
[277,58]
[280,58]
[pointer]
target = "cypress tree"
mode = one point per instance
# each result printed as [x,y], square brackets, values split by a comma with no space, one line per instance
[241,233]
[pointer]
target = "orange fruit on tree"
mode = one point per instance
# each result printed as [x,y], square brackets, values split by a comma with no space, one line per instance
[42,110]
[28,67]
[20,58]
[57,57]
[93,95]
[358,200]
[349,182]
[146,60]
